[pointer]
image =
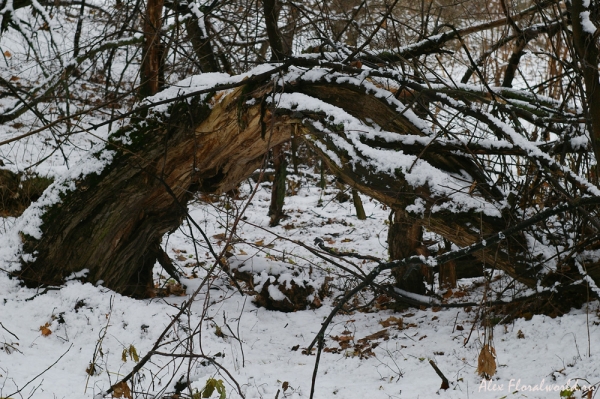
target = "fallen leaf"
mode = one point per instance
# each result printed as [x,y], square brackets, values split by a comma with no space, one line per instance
[45,330]
[392,321]
[378,335]
[7,54]
[91,369]
[121,390]
[220,236]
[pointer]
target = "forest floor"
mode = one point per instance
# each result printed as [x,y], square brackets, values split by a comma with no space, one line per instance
[76,341]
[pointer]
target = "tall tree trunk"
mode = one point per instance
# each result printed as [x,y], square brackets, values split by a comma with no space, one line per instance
[271,10]
[586,47]
[152,54]
[201,44]
[279,183]
[281,47]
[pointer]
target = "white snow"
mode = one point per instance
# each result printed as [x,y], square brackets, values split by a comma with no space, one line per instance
[90,323]
[586,23]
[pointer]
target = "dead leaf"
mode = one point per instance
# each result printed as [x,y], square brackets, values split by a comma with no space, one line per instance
[121,390]
[7,54]
[220,236]
[344,340]
[357,64]
[316,302]
[520,334]
[174,289]
[285,385]
[392,321]
[486,363]
[133,353]
[91,369]
[383,334]
[45,330]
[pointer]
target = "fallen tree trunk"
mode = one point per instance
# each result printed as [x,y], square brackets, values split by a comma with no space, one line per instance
[112,222]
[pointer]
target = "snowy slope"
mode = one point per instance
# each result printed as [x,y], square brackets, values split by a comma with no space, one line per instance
[87,324]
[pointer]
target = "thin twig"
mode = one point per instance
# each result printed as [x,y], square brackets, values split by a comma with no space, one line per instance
[8,331]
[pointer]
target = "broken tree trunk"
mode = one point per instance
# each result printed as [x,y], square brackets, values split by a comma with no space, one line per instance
[112,222]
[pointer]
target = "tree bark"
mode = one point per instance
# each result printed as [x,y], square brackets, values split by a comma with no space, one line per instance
[278,188]
[112,223]
[152,54]
[201,44]
[358,205]
[587,50]
[405,237]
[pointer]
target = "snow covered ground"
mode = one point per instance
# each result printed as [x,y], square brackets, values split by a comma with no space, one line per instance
[75,342]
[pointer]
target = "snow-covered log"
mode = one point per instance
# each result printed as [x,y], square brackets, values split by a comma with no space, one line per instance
[216,132]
